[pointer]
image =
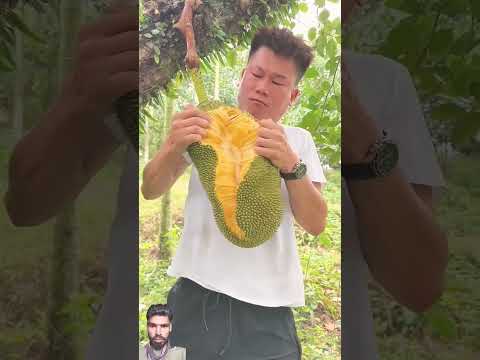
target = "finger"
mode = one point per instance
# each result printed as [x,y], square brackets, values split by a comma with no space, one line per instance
[194,129]
[127,61]
[190,139]
[118,22]
[268,153]
[269,133]
[95,47]
[184,123]
[121,83]
[267,143]
[268,123]
[193,112]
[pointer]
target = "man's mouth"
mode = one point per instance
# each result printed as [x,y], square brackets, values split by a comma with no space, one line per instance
[257,101]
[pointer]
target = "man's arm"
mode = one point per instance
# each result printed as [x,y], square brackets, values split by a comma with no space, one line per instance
[404,248]
[188,126]
[306,201]
[162,172]
[308,205]
[52,163]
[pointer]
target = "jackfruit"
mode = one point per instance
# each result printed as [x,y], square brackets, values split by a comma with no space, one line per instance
[243,187]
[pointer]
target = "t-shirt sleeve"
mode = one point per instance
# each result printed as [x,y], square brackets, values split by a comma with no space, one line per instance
[409,130]
[310,157]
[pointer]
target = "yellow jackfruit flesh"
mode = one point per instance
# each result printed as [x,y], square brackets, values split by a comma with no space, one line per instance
[243,187]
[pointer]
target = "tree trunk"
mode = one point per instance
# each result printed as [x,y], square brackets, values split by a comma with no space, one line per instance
[64,275]
[166,216]
[215,23]
[18,91]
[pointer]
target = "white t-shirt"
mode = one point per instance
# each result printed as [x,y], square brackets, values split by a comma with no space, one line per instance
[386,91]
[269,274]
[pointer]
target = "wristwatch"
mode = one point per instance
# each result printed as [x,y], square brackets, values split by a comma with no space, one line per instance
[385,158]
[298,172]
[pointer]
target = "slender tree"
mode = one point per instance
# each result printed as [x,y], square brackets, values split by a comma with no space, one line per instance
[64,275]
[165,223]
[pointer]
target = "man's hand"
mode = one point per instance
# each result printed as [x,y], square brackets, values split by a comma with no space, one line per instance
[188,126]
[54,161]
[105,62]
[272,144]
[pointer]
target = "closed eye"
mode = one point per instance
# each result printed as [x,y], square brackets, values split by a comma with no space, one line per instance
[277,83]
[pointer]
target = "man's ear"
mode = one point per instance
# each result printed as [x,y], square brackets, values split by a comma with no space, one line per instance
[294,96]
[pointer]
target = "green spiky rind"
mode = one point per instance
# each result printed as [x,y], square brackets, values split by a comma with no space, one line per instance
[259,202]
[204,158]
[259,209]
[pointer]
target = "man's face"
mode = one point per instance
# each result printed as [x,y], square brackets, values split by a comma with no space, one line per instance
[158,330]
[268,85]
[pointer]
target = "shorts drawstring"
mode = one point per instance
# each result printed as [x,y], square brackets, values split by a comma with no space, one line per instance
[204,309]
[229,338]
[229,319]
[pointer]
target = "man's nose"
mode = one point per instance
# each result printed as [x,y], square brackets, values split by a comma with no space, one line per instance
[262,87]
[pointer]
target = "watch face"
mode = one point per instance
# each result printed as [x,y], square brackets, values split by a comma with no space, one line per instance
[300,171]
[386,159]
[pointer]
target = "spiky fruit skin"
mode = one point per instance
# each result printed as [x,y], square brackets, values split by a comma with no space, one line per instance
[243,187]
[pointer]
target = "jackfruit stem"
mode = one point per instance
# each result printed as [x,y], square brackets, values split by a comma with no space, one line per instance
[198,85]
[184,25]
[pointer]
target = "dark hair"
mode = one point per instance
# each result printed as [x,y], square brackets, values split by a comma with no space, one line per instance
[159,309]
[284,43]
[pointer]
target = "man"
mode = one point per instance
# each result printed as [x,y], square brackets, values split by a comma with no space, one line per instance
[72,141]
[387,202]
[232,302]
[159,326]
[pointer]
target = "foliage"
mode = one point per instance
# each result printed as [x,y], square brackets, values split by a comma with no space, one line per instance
[443,57]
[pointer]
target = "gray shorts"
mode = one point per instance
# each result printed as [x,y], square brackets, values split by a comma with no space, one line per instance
[212,325]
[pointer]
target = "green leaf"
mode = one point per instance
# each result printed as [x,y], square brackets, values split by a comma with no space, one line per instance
[447,112]
[465,129]
[441,323]
[442,40]
[324,15]
[303,7]
[311,73]
[312,34]
[232,58]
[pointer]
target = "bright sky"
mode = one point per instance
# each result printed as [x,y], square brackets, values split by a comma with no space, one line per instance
[305,21]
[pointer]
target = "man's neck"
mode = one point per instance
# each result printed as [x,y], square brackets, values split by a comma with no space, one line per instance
[159,350]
